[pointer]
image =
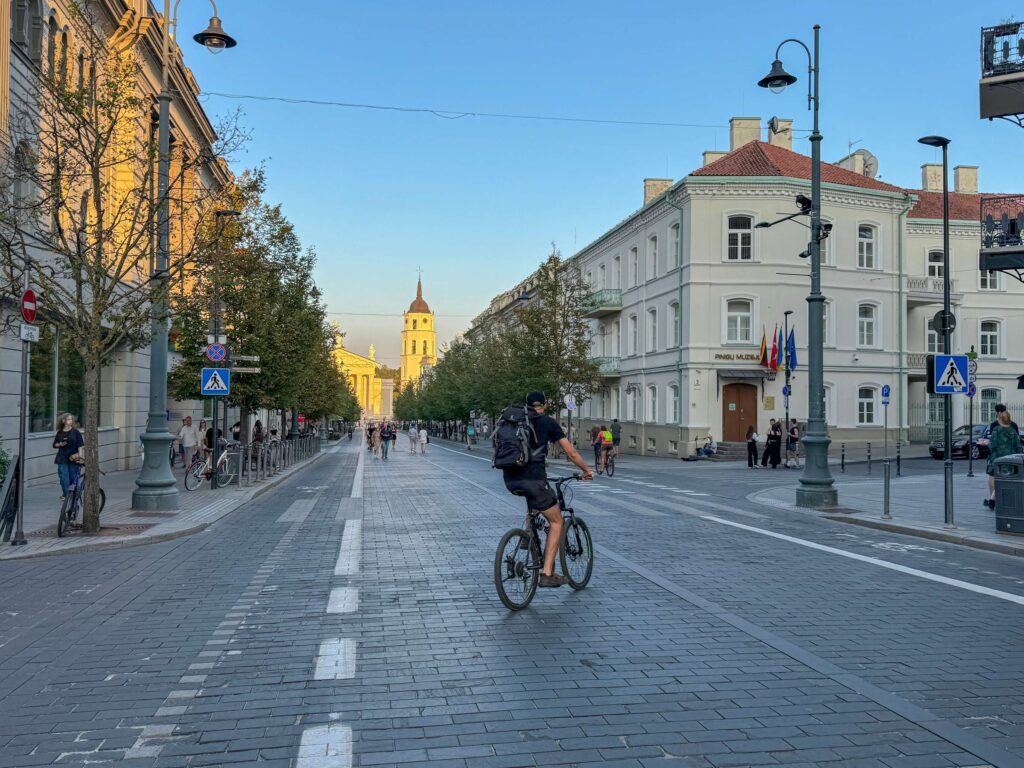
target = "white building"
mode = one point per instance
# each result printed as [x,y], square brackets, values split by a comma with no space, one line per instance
[684,286]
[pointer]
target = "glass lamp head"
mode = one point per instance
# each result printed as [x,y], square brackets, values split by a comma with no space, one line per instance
[777,80]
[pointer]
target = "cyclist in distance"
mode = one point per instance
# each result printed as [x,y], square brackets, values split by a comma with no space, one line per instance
[531,480]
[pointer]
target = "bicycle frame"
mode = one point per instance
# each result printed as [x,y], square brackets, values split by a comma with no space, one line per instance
[536,522]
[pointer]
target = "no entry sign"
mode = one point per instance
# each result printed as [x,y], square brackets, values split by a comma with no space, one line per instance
[28,305]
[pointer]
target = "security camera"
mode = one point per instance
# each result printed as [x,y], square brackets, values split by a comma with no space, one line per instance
[803,202]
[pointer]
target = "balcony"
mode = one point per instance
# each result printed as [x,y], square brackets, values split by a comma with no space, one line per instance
[1002,71]
[928,290]
[1002,234]
[915,361]
[607,367]
[604,302]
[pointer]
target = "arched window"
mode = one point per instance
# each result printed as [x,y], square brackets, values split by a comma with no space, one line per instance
[652,403]
[426,347]
[414,325]
[616,345]
[599,340]
[81,70]
[652,257]
[652,330]
[19,23]
[631,403]
[935,263]
[600,277]
[426,322]
[674,337]
[92,82]
[989,397]
[633,336]
[51,47]
[22,179]
[634,269]
[866,405]
[414,347]
[989,338]
[867,315]
[674,404]
[676,245]
[35,30]
[738,321]
[740,239]
[62,69]
[866,236]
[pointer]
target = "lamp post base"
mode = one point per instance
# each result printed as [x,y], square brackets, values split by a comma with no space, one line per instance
[817,497]
[156,487]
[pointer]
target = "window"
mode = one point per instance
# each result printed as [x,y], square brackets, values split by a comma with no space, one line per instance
[81,70]
[616,271]
[600,277]
[826,248]
[634,268]
[631,404]
[990,281]
[62,69]
[652,257]
[989,346]
[866,318]
[19,22]
[738,321]
[631,341]
[414,347]
[674,404]
[829,400]
[936,409]
[674,338]
[652,330]
[866,247]
[35,31]
[414,325]
[56,381]
[425,322]
[599,340]
[866,405]
[739,242]
[22,180]
[615,403]
[652,403]
[589,280]
[676,245]
[989,397]
[935,263]
[933,341]
[652,444]
[616,348]
[826,324]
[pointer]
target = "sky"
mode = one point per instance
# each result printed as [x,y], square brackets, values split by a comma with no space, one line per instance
[476,202]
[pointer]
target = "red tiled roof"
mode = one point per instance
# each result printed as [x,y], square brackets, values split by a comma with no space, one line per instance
[761,159]
[961,206]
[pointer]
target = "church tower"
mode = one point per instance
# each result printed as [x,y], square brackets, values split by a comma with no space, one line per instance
[419,338]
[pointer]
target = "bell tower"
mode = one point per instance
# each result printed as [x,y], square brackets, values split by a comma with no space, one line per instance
[419,338]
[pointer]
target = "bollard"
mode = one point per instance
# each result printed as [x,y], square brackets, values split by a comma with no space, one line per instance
[885,489]
[869,458]
[842,457]
[897,458]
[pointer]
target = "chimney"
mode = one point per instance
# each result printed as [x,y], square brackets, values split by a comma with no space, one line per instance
[965,179]
[713,154]
[784,138]
[655,188]
[931,177]
[853,162]
[743,130]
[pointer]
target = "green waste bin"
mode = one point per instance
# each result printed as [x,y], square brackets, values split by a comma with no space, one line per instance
[1009,477]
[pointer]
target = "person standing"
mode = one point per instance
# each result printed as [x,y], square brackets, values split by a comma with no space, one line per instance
[470,436]
[69,443]
[386,434]
[188,441]
[414,438]
[616,430]
[793,444]
[1003,437]
[773,445]
[424,438]
[766,454]
[752,447]
[375,441]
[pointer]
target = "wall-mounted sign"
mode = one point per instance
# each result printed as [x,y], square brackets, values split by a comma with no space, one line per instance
[737,356]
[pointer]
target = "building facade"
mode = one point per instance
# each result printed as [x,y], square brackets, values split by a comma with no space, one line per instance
[374,392]
[419,339]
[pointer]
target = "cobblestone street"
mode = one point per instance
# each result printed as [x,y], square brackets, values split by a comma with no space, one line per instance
[348,617]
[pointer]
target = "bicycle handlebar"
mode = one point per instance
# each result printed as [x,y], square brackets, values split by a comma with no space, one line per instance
[559,481]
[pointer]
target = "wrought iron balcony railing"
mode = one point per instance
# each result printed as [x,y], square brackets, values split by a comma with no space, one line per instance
[1002,49]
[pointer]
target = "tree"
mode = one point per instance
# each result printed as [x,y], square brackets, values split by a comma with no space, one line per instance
[79,203]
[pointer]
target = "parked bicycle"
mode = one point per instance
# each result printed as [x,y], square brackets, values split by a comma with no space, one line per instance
[74,499]
[201,470]
[519,559]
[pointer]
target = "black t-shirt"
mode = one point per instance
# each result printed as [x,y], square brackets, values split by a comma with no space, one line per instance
[547,431]
[74,441]
[209,438]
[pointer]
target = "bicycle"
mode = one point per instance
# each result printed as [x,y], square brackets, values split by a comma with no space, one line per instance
[519,559]
[609,463]
[200,470]
[71,509]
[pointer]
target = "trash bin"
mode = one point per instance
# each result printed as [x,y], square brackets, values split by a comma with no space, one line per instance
[1009,477]
[234,464]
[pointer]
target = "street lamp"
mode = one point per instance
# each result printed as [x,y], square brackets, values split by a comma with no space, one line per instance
[789,375]
[216,313]
[156,488]
[947,322]
[816,483]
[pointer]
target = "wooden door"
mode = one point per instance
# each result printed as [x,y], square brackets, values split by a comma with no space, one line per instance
[739,411]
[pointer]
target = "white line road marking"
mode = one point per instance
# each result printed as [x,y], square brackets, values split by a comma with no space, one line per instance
[336,659]
[467,454]
[351,545]
[1009,597]
[326,746]
[357,481]
[343,600]
[297,511]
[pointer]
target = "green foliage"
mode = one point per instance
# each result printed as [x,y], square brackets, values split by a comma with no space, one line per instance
[5,460]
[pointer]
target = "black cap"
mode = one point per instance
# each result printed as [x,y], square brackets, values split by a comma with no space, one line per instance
[536,398]
[999,408]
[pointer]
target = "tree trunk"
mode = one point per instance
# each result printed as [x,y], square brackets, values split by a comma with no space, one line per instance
[91,506]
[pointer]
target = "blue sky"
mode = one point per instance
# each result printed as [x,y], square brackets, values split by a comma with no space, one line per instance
[475,201]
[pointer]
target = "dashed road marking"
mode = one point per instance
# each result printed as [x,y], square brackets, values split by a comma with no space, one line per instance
[336,659]
[351,546]
[343,600]
[326,746]
[297,511]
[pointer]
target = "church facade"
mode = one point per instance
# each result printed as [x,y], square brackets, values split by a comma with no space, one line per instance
[374,393]
[419,339]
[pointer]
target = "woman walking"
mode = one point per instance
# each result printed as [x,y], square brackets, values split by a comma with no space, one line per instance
[375,439]
[414,438]
[751,447]
[69,443]
[1003,440]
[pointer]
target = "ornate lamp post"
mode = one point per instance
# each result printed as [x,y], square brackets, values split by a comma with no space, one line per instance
[816,483]
[156,488]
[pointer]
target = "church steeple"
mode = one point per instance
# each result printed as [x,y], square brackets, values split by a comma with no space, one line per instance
[418,304]
[419,338]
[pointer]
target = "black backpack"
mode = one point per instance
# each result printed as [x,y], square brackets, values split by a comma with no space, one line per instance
[514,439]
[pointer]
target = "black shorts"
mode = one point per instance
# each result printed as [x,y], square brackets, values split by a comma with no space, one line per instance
[538,494]
[616,440]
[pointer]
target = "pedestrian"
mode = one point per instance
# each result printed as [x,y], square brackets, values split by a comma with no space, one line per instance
[236,431]
[1003,439]
[616,430]
[69,443]
[188,442]
[424,439]
[414,438]
[371,429]
[257,432]
[387,434]
[793,444]
[470,436]
[772,445]
[375,441]
[752,438]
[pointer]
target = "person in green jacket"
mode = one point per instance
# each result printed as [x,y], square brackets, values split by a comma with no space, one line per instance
[1003,440]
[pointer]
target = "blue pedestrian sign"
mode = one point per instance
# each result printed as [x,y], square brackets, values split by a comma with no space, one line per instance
[786,391]
[951,374]
[216,381]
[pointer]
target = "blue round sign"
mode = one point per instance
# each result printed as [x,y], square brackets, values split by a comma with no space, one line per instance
[972,390]
[216,352]
[786,391]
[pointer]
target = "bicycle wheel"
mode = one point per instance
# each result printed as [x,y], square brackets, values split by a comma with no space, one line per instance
[194,476]
[224,479]
[103,499]
[516,569]
[64,519]
[609,466]
[577,553]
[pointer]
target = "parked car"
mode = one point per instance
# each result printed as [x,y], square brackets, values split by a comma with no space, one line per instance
[978,447]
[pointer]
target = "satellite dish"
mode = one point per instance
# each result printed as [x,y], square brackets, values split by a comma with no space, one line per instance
[773,126]
[870,164]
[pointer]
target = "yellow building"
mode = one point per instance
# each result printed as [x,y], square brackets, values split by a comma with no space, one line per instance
[375,394]
[419,339]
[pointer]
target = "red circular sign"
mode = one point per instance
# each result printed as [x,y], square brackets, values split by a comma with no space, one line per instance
[28,305]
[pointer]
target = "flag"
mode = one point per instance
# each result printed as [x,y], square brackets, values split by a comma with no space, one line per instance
[778,360]
[791,350]
[764,347]
[773,361]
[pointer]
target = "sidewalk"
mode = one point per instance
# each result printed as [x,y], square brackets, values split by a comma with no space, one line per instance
[122,527]
[917,507]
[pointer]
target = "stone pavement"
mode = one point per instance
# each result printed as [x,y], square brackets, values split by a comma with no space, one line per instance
[120,525]
[916,505]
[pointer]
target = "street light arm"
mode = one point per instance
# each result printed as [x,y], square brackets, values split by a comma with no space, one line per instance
[810,65]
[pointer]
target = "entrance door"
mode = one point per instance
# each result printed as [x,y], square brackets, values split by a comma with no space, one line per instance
[739,411]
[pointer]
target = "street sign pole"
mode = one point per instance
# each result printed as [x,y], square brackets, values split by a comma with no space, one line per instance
[886,392]
[972,372]
[19,534]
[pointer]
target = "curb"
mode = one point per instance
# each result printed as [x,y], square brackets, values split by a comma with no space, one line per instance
[142,538]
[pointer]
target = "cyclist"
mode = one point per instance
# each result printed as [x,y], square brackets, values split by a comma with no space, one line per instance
[531,480]
[607,443]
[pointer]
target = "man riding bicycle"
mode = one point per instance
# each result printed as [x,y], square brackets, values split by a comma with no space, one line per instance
[605,436]
[531,480]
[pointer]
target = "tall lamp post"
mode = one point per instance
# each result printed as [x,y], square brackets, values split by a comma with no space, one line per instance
[789,375]
[817,487]
[946,329]
[156,488]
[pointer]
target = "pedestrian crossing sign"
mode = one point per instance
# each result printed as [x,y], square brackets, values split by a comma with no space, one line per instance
[951,376]
[216,381]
